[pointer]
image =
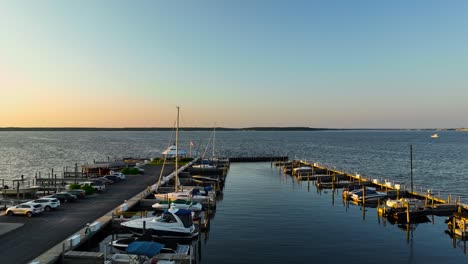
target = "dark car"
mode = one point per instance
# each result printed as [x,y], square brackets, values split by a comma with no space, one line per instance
[112,178]
[65,197]
[79,193]
[105,180]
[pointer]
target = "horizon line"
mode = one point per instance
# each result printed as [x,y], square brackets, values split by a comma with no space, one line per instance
[271,128]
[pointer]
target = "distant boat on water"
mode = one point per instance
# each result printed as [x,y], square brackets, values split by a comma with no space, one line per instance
[434,136]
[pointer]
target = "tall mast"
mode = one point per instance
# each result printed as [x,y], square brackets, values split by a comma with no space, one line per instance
[411,166]
[177,151]
[214,138]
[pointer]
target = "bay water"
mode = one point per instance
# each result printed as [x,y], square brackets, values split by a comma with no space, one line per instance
[268,217]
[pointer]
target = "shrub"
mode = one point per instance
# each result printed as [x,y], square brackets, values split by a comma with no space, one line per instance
[130,171]
[74,186]
[88,189]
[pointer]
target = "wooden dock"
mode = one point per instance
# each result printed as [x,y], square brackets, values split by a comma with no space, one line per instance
[387,186]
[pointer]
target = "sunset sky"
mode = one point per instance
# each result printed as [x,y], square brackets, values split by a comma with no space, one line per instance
[336,64]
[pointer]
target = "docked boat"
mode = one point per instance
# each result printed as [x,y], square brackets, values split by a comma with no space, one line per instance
[172,223]
[369,195]
[353,188]
[206,169]
[151,252]
[21,189]
[122,244]
[179,203]
[302,171]
[204,196]
[403,202]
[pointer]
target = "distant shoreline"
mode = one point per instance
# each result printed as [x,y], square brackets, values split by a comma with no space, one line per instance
[203,129]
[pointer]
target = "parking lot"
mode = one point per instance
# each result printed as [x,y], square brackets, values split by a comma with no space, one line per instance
[39,233]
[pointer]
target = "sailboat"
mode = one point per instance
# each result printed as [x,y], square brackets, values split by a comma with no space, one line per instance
[213,165]
[180,193]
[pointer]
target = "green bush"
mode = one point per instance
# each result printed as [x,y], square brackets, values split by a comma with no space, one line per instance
[74,186]
[129,171]
[157,161]
[88,189]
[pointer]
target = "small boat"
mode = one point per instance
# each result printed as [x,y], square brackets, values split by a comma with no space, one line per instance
[179,203]
[302,171]
[397,210]
[201,196]
[369,195]
[353,188]
[22,189]
[121,244]
[402,202]
[434,136]
[151,252]
[172,223]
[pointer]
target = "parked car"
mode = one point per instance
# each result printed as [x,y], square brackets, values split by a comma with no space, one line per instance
[99,186]
[118,174]
[105,180]
[28,209]
[113,178]
[64,197]
[47,202]
[79,193]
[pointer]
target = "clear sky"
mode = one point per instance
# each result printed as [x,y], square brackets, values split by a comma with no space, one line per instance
[238,63]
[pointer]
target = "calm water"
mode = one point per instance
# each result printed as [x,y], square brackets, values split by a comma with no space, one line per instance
[266,217]
[439,164]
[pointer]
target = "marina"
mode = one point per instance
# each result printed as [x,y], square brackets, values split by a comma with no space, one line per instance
[321,194]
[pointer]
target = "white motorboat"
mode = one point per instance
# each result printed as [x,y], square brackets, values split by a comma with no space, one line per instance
[434,136]
[173,223]
[369,195]
[179,203]
[187,195]
[302,171]
[402,202]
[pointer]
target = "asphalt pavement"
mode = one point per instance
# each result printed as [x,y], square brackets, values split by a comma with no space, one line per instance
[37,234]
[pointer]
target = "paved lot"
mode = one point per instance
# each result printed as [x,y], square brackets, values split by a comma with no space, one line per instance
[42,232]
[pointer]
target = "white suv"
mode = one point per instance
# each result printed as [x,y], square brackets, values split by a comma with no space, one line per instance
[118,174]
[28,209]
[48,203]
[97,185]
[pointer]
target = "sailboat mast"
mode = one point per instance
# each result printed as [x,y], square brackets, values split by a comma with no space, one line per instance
[214,138]
[177,151]
[411,166]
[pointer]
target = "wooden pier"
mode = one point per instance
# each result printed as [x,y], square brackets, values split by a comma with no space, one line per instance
[387,186]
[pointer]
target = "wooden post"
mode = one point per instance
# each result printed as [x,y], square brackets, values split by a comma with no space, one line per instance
[407,213]
[363,195]
[454,223]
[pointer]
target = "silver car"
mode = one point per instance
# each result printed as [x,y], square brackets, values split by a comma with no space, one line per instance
[28,209]
[47,202]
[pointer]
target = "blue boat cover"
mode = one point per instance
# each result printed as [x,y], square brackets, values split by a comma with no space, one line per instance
[149,249]
[180,212]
